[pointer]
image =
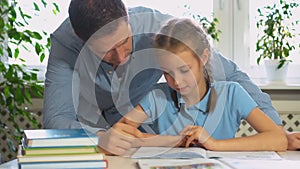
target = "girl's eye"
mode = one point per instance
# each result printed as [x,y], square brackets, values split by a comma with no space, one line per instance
[185,70]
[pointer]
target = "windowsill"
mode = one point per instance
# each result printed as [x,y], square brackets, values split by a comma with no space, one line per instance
[257,75]
[289,84]
[292,82]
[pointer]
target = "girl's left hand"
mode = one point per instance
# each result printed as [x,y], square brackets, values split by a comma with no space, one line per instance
[196,133]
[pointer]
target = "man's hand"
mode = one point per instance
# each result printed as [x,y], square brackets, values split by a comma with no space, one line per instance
[293,140]
[118,139]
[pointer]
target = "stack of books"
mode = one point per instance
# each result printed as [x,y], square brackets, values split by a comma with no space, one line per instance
[60,148]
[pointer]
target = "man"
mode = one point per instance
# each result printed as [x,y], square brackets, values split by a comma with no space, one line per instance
[100,66]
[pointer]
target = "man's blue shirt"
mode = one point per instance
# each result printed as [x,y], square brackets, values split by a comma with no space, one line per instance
[84,89]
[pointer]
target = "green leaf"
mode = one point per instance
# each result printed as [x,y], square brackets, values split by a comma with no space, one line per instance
[54,11]
[9,52]
[17,52]
[49,43]
[18,95]
[37,90]
[44,3]
[22,15]
[1,23]
[26,77]
[35,70]
[27,96]
[42,57]
[33,76]
[36,7]
[38,49]
[13,34]
[281,63]
[1,52]
[26,37]
[37,35]
[6,92]
[56,7]
[13,14]
[22,60]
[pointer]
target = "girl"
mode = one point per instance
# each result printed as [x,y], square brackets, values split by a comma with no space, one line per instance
[190,109]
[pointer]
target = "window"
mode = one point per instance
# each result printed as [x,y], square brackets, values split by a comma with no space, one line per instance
[43,20]
[176,7]
[253,14]
[239,34]
[236,21]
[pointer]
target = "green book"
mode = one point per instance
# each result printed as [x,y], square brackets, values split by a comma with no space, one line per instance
[60,150]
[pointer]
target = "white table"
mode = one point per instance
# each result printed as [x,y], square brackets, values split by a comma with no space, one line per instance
[117,162]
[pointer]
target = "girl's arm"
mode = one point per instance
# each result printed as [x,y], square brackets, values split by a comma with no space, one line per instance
[135,118]
[269,137]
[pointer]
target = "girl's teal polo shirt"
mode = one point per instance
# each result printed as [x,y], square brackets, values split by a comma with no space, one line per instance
[233,104]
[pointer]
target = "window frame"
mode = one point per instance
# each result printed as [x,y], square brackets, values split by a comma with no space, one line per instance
[234,22]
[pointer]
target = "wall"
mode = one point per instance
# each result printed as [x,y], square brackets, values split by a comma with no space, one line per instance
[287,103]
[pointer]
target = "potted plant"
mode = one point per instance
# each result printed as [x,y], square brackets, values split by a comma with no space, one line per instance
[210,26]
[275,42]
[18,83]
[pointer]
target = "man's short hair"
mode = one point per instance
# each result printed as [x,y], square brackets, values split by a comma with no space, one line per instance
[88,16]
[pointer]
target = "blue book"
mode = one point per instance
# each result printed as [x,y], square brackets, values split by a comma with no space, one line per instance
[59,138]
[96,164]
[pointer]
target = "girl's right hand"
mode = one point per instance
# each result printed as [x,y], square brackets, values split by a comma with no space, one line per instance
[196,134]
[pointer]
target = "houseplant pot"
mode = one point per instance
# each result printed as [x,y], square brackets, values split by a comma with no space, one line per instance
[273,73]
[275,40]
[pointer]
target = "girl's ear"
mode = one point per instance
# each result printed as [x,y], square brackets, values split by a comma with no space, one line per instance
[205,56]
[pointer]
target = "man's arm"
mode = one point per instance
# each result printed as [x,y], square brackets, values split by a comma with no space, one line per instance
[233,73]
[59,107]
[135,118]
[263,100]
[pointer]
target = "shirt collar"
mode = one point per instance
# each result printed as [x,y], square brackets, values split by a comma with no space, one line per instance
[202,105]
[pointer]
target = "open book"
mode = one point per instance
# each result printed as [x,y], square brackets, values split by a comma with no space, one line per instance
[181,164]
[197,152]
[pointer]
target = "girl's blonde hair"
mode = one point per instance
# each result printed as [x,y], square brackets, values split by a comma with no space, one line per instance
[179,34]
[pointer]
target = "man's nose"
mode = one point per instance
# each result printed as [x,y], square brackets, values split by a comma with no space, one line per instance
[121,55]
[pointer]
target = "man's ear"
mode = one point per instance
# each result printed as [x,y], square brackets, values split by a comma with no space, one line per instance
[205,56]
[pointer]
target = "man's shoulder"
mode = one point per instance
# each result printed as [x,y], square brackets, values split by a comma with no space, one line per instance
[65,34]
[65,25]
[141,9]
[146,20]
[226,85]
[66,29]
